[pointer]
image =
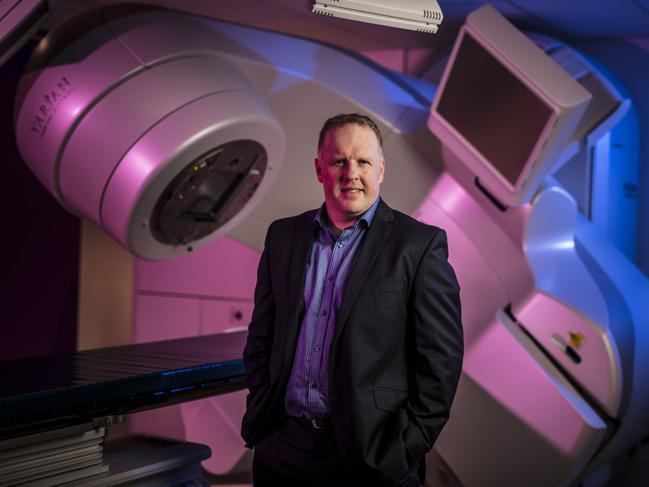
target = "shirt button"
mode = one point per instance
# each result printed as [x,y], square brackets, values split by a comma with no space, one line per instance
[316,348]
[324,312]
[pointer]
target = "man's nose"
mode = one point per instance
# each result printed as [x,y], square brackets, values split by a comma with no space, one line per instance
[351,171]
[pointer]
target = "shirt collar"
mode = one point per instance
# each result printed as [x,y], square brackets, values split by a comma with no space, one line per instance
[320,218]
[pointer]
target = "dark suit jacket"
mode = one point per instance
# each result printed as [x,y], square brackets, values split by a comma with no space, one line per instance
[397,348]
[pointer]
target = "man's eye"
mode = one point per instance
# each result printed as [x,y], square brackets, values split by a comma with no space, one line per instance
[363,161]
[339,162]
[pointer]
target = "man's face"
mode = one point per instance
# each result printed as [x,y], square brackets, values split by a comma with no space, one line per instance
[350,167]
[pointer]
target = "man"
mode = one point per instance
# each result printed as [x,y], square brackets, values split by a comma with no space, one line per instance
[355,345]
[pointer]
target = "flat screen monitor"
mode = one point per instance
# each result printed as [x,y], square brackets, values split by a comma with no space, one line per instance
[494,111]
[504,108]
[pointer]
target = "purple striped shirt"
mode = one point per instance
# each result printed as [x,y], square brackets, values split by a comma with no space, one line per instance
[328,268]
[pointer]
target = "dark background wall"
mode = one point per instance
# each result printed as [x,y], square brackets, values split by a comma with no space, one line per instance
[39,248]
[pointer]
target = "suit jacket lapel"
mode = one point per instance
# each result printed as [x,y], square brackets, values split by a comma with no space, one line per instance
[377,234]
[301,240]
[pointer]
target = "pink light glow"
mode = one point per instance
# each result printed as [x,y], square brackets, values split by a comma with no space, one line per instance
[499,364]
[141,164]
[449,194]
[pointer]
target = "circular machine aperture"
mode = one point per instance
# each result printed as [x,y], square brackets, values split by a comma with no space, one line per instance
[207,193]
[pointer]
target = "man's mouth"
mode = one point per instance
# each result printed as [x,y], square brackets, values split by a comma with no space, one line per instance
[352,190]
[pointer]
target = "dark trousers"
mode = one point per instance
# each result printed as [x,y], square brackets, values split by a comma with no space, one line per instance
[299,455]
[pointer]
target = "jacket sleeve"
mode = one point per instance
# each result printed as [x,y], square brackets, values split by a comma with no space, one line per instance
[435,318]
[256,354]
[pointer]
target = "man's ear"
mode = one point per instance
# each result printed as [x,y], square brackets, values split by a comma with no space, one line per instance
[318,169]
[382,171]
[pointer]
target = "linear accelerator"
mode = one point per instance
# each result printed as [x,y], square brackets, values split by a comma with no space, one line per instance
[170,131]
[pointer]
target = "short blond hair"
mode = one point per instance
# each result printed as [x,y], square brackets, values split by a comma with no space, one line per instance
[345,118]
